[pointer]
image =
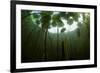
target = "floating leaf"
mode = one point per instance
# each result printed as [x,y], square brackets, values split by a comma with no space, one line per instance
[70,21]
[63,30]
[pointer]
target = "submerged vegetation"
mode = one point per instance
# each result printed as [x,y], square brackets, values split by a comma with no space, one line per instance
[54,36]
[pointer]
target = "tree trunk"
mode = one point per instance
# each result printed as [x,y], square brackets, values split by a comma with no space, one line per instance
[45,44]
[57,42]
